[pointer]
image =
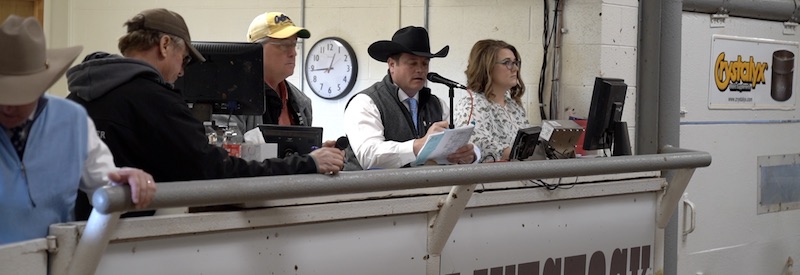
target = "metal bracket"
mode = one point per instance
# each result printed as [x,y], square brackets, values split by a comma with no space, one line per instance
[442,223]
[52,244]
[718,19]
[789,28]
[677,180]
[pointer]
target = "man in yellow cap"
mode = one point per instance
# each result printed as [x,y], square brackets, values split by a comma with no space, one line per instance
[285,103]
[48,146]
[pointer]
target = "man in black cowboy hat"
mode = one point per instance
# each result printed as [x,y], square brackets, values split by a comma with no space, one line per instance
[388,123]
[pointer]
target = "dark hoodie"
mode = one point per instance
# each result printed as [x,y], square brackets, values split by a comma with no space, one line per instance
[147,125]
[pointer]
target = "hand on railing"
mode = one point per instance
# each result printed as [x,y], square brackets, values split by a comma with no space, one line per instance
[329,160]
[143,187]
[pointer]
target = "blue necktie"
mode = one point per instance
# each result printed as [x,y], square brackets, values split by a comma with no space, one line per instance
[412,106]
[18,139]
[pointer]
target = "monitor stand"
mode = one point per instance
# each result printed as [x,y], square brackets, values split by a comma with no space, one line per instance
[622,141]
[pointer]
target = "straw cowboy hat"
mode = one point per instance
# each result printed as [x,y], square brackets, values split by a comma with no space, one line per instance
[413,40]
[27,68]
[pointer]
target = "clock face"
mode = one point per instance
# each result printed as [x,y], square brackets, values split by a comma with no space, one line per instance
[331,68]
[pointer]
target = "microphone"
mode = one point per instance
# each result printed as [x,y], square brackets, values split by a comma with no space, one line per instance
[342,143]
[434,77]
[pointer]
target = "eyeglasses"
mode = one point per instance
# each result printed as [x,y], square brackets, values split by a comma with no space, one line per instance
[285,46]
[510,64]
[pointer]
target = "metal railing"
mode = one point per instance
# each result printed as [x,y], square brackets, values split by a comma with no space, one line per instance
[228,191]
[112,200]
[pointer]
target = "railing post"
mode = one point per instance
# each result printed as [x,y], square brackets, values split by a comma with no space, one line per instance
[441,224]
[93,243]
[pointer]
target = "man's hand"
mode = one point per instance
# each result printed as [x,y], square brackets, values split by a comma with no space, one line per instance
[464,155]
[329,160]
[435,128]
[143,187]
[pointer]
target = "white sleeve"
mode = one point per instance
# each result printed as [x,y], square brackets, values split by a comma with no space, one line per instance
[364,130]
[99,162]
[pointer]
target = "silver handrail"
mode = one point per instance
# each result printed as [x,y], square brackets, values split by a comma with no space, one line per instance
[228,191]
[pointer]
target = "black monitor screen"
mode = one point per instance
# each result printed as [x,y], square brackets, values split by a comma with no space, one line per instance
[231,80]
[605,116]
[292,139]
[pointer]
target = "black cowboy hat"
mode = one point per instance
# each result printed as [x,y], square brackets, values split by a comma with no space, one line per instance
[413,40]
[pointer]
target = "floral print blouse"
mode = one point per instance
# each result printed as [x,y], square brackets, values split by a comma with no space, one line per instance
[495,126]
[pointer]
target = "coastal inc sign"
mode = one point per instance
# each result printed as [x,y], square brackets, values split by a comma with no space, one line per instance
[594,236]
[752,73]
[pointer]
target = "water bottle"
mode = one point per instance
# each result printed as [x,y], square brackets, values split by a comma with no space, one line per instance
[233,140]
[211,133]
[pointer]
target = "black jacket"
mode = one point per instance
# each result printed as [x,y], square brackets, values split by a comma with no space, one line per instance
[147,125]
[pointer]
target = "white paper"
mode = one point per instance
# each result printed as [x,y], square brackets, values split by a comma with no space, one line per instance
[441,144]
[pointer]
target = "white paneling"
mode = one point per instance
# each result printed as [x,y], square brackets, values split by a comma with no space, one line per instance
[515,234]
[730,238]
[319,248]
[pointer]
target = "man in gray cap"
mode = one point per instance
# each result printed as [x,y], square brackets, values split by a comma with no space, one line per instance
[147,124]
[388,123]
[48,146]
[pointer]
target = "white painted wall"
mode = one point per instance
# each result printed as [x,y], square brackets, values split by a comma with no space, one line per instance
[730,238]
[600,38]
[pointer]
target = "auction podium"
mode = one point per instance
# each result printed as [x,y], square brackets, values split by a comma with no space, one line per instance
[582,221]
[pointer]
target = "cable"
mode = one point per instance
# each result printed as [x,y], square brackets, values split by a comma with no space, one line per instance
[472,104]
[547,38]
[545,44]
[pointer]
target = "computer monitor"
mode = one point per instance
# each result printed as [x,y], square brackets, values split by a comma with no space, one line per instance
[604,126]
[231,80]
[292,139]
[525,143]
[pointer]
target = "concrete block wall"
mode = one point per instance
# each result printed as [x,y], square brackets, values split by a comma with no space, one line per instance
[600,37]
[600,40]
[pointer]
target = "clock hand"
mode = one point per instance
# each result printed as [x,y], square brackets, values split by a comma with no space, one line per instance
[330,67]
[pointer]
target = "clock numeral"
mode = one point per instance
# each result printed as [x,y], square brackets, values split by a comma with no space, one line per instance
[330,47]
[339,87]
[344,79]
[320,86]
[348,68]
[315,78]
[345,57]
[316,57]
[312,67]
[329,90]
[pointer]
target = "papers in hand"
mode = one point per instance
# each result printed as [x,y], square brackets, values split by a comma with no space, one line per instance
[441,144]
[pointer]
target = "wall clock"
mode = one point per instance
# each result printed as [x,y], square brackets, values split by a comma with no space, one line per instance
[331,68]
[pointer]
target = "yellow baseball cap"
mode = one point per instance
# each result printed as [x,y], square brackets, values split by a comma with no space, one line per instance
[275,25]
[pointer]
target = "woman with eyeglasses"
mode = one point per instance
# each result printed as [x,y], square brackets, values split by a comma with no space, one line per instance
[494,105]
